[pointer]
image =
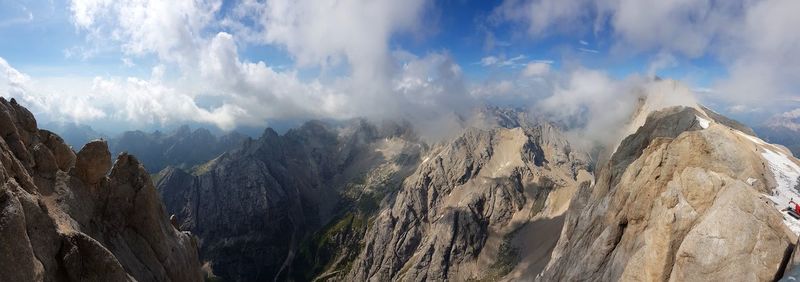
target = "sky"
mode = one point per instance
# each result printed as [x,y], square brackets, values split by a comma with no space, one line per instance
[138,64]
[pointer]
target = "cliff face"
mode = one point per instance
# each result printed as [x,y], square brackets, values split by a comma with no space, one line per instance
[685,198]
[256,208]
[687,195]
[64,218]
[472,208]
[362,202]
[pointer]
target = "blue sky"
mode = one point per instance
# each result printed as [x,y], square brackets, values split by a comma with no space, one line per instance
[140,63]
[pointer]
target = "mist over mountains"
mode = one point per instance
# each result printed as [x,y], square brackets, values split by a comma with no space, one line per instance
[504,194]
[384,140]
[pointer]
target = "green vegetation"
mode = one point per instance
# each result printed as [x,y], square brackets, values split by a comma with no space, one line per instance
[331,251]
[203,168]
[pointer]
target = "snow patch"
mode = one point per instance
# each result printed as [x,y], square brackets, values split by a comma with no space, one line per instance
[751,138]
[703,122]
[751,181]
[787,175]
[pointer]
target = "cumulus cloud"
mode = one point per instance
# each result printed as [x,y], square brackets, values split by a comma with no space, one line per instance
[169,29]
[195,61]
[789,120]
[537,68]
[661,61]
[595,108]
[544,17]
[682,26]
[50,103]
[754,40]
[353,34]
[329,32]
[141,102]
[195,49]
[764,55]
[133,100]
[261,91]
[591,103]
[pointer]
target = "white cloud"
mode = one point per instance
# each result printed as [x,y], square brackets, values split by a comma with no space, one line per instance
[489,60]
[544,17]
[327,32]
[132,100]
[351,33]
[756,41]
[587,50]
[128,62]
[170,29]
[501,61]
[788,120]
[661,61]
[763,57]
[151,102]
[582,99]
[536,69]
[263,92]
[596,107]
[51,103]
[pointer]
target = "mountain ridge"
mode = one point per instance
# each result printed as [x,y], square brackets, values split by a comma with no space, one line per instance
[67,216]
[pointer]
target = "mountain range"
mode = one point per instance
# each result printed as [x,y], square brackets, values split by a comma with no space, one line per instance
[182,147]
[685,195]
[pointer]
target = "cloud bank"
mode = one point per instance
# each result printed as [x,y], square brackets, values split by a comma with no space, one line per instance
[756,41]
[344,62]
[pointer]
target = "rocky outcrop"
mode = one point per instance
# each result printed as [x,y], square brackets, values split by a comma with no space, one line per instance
[93,162]
[63,217]
[456,216]
[686,197]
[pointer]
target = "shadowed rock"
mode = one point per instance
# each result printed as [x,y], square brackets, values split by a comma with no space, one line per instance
[63,219]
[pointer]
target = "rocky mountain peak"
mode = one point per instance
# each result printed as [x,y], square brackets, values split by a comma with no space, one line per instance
[93,162]
[466,200]
[685,197]
[64,218]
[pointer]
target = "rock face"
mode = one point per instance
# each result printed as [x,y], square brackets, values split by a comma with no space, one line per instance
[456,216]
[365,202]
[255,208]
[62,218]
[93,162]
[685,198]
[687,195]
